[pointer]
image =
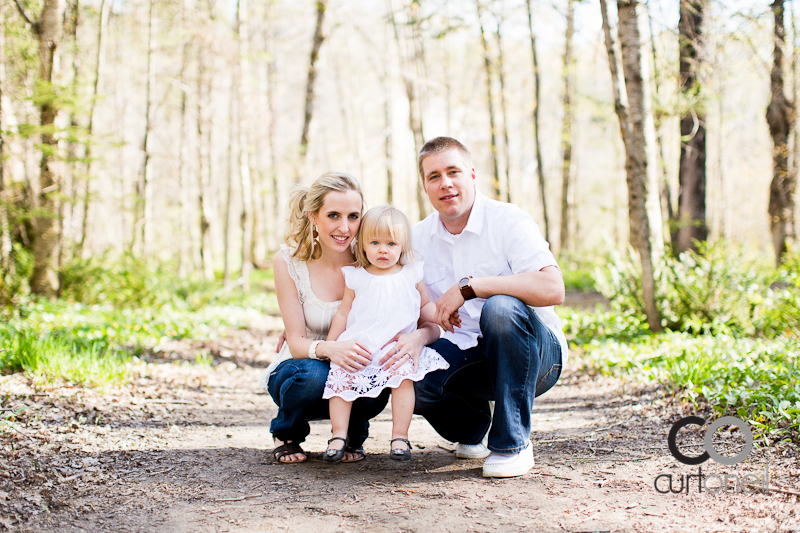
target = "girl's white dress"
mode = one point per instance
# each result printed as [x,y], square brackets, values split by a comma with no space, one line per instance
[383,307]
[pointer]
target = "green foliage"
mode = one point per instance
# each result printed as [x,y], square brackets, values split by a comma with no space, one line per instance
[578,277]
[720,289]
[14,276]
[756,379]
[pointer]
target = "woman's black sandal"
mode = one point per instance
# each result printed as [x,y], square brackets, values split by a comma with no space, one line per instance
[358,454]
[333,455]
[400,454]
[289,448]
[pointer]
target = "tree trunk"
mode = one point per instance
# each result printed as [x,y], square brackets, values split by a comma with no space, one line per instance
[233,165]
[246,219]
[204,172]
[487,64]
[781,201]
[5,223]
[536,137]
[638,144]
[691,221]
[70,178]
[503,106]
[184,242]
[566,130]
[43,235]
[271,124]
[105,7]
[145,185]
[312,75]
[414,104]
[664,192]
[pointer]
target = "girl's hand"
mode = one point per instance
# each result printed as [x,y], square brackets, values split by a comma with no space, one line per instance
[281,340]
[352,355]
[409,346]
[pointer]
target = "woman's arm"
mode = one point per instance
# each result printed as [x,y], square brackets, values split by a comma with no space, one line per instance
[294,321]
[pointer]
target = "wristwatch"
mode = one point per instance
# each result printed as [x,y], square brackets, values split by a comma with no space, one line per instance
[467,292]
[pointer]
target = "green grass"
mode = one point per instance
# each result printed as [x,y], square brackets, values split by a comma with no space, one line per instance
[756,379]
[93,344]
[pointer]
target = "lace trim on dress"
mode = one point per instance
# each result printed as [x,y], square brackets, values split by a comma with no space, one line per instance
[370,382]
[302,282]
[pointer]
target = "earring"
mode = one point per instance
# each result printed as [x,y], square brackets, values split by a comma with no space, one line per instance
[313,229]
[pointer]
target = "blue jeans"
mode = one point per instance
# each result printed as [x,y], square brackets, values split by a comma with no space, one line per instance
[517,359]
[296,386]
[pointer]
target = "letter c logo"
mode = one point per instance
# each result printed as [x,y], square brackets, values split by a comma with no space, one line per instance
[708,444]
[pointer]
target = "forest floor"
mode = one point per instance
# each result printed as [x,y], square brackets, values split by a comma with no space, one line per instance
[186,447]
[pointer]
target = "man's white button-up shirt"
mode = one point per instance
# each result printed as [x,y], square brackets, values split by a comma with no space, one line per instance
[499,240]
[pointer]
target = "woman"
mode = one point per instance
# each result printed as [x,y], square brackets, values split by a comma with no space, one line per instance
[323,222]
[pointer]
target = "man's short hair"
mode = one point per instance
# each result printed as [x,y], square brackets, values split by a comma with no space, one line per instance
[439,145]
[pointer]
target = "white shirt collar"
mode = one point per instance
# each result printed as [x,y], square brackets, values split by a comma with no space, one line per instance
[474,222]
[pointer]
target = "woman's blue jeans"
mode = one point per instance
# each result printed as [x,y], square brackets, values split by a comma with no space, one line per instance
[517,359]
[296,386]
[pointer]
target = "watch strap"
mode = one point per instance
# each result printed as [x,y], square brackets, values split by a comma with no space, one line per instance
[467,292]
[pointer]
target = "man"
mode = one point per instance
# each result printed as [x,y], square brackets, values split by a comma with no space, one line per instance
[494,281]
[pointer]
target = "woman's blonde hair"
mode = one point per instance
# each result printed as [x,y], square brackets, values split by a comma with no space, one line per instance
[384,221]
[308,200]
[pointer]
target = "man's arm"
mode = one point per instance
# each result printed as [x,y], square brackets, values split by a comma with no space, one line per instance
[539,289]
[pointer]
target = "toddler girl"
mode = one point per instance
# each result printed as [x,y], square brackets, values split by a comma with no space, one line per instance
[384,296]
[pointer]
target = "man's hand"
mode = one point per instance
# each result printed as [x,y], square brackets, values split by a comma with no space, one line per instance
[447,308]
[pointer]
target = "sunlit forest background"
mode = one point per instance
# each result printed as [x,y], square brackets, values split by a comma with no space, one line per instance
[147,151]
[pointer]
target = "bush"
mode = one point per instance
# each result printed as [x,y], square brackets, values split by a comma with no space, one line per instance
[720,289]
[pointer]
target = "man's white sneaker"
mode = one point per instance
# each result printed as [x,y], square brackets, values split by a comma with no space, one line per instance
[474,451]
[509,464]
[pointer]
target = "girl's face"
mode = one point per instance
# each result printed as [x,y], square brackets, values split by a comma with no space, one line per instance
[382,251]
[337,220]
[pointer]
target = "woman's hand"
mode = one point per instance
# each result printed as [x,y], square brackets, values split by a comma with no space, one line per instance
[281,340]
[409,346]
[352,355]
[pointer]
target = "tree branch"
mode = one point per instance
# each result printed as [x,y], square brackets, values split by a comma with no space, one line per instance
[24,15]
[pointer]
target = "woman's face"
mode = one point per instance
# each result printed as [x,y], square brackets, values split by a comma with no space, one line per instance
[337,220]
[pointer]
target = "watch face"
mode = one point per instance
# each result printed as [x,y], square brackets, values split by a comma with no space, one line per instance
[463,282]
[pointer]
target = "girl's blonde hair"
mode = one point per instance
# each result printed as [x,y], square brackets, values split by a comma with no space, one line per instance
[384,221]
[308,200]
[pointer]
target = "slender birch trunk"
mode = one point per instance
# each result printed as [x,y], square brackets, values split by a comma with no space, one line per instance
[633,119]
[246,219]
[204,172]
[487,64]
[43,235]
[781,201]
[312,75]
[536,136]
[691,217]
[184,242]
[105,7]
[233,165]
[566,130]
[70,179]
[145,185]
[5,229]
[503,106]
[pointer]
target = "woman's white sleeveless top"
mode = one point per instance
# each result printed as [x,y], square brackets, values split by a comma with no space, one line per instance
[318,314]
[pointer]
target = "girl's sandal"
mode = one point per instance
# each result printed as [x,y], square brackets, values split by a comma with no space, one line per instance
[400,454]
[334,455]
[286,449]
[358,454]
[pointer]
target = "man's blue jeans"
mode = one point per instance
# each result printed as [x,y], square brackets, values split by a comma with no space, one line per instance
[517,359]
[296,386]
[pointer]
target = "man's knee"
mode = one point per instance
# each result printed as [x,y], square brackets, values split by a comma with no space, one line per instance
[503,314]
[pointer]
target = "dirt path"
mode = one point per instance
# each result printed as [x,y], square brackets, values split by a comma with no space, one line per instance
[185,448]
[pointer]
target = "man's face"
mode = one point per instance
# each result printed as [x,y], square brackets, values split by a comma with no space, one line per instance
[449,182]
